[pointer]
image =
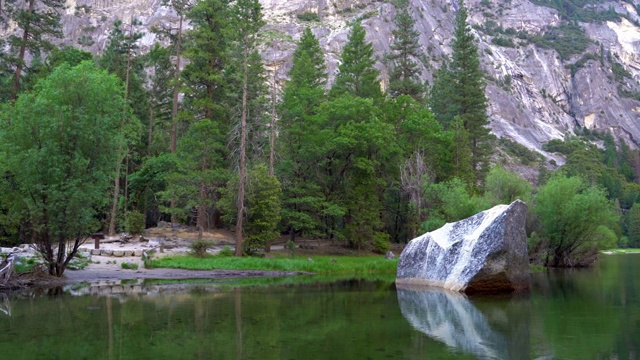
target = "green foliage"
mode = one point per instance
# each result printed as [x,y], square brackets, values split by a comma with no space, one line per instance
[129,266]
[50,154]
[504,187]
[568,39]
[404,77]
[503,41]
[581,10]
[520,152]
[201,172]
[308,16]
[450,201]
[458,91]
[356,74]
[226,252]
[263,208]
[200,246]
[633,226]
[575,221]
[619,72]
[134,222]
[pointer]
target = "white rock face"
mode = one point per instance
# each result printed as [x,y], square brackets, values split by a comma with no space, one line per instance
[484,253]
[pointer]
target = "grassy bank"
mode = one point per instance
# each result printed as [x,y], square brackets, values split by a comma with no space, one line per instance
[321,265]
[622,251]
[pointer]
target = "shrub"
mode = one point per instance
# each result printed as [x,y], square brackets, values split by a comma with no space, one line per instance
[129,266]
[381,243]
[134,222]
[308,16]
[199,247]
[226,252]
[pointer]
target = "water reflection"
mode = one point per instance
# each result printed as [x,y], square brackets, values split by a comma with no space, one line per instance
[496,329]
[5,304]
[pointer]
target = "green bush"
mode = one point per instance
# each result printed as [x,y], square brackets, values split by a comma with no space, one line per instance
[381,243]
[129,266]
[199,247]
[308,16]
[134,222]
[226,252]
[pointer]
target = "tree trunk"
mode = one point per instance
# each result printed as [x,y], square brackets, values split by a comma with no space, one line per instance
[272,130]
[116,188]
[176,90]
[21,54]
[243,155]
[150,135]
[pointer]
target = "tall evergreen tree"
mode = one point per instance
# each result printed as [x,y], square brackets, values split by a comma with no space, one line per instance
[459,92]
[247,16]
[302,97]
[469,94]
[206,46]
[356,74]
[37,21]
[405,72]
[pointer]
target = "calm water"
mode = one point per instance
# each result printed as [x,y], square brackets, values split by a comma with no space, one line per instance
[586,314]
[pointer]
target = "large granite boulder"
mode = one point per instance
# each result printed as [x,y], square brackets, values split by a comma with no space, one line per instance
[483,253]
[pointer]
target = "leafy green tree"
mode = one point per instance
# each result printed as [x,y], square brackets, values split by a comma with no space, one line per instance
[504,187]
[450,201]
[59,146]
[633,226]
[404,77]
[356,74]
[571,215]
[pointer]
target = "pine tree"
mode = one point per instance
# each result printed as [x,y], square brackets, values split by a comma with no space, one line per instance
[468,94]
[356,74]
[206,46]
[441,94]
[247,15]
[405,73]
[302,97]
[37,20]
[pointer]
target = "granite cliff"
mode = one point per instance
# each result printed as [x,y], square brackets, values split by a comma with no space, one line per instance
[536,91]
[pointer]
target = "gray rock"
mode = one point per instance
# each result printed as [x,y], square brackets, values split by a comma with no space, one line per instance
[483,253]
[118,253]
[107,252]
[95,252]
[390,255]
[163,224]
[137,253]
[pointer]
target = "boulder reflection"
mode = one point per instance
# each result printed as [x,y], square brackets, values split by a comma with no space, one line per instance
[489,328]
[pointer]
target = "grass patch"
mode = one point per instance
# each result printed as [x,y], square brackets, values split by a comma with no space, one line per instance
[321,265]
[623,251]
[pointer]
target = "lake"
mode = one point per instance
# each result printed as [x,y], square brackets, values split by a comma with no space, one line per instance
[569,314]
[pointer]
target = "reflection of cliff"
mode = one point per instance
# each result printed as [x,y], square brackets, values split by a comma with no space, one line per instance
[499,331]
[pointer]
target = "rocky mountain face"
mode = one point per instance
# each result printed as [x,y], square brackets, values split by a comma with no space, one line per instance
[536,91]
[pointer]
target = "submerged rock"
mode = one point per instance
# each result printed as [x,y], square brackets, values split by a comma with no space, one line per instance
[486,252]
